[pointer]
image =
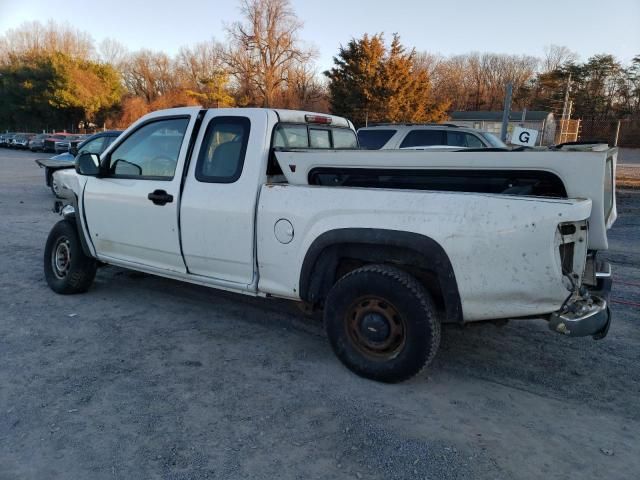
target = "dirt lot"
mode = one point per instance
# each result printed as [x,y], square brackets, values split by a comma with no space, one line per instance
[148,378]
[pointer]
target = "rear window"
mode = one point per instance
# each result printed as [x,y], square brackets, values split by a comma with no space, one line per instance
[319,138]
[424,138]
[344,138]
[374,139]
[493,140]
[310,136]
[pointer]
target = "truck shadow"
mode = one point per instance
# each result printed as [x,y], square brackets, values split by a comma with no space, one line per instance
[523,355]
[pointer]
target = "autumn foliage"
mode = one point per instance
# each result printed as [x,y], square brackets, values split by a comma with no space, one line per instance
[53,76]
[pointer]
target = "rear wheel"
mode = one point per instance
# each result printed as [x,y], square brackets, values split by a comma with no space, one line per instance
[66,267]
[381,323]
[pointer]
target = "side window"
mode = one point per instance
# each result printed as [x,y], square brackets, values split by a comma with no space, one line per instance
[223,149]
[93,146]
[424,138]
[344,138]
[463,139]
[319,138]
[107,141]
[473,141]
[151,151]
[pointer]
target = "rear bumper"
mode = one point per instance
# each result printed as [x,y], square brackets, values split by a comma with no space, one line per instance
[582,318]
[588,315]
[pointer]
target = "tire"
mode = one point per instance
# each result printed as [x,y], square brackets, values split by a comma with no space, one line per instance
[66,267]
[381,323]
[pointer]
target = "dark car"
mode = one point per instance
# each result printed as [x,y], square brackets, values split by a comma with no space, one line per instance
[50,142]
[37,143]
[96,143]
[77,141]
[63,145]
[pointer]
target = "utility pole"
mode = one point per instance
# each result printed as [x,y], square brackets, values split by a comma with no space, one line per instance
[506,112]
[615,142]
[566,112]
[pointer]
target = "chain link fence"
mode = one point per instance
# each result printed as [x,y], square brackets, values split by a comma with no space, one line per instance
[623,133]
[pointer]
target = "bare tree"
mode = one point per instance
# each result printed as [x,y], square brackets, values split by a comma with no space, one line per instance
[113,52]
[304,90]
[264,49]
[201,62]
[33,38]
[149,74]
[202,74]
[556,56]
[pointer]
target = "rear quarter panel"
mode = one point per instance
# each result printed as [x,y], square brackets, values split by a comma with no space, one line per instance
[502,249]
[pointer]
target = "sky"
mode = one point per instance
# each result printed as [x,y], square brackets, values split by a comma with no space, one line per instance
[448,27]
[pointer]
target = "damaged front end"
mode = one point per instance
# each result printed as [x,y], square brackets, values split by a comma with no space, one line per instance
[586,311]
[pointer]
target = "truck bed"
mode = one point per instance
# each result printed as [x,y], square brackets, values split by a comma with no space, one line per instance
[557,174]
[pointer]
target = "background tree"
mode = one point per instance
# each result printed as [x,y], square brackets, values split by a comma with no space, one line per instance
[35,38]
[264,49]
[203,76]
[556,57]
[372,83]
[53,76]
[43,91]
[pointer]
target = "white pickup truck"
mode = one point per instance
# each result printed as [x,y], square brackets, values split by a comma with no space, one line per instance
[214,197]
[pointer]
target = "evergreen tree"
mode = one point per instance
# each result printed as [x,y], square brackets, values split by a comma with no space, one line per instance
[372,83]
[53,90]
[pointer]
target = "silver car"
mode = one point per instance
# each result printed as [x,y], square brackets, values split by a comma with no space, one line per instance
[425,136]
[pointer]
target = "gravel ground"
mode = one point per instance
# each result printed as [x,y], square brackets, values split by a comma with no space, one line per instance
[144,377]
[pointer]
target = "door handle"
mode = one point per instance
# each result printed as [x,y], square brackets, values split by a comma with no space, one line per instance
[160,197]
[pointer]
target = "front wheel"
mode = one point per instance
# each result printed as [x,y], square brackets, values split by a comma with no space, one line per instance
[66,267]
[381,323]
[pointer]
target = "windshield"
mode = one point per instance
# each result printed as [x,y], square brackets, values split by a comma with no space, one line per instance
[374,139]
[493,140]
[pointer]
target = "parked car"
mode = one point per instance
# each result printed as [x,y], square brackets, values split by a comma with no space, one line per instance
[21,140]
[49,144]
[222,198]
[421,136]
[11,139]
[73,143]
[6,138]
[96,143]
[63,145]
[36,144]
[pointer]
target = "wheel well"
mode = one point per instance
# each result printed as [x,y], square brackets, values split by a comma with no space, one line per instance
[327,261]
[427,278]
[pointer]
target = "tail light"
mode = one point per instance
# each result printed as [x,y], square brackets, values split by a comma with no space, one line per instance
[609,188]
[571,241]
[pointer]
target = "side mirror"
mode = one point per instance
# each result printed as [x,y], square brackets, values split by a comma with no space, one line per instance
[88,164]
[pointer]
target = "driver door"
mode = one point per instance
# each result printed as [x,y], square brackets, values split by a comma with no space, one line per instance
[132,212]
